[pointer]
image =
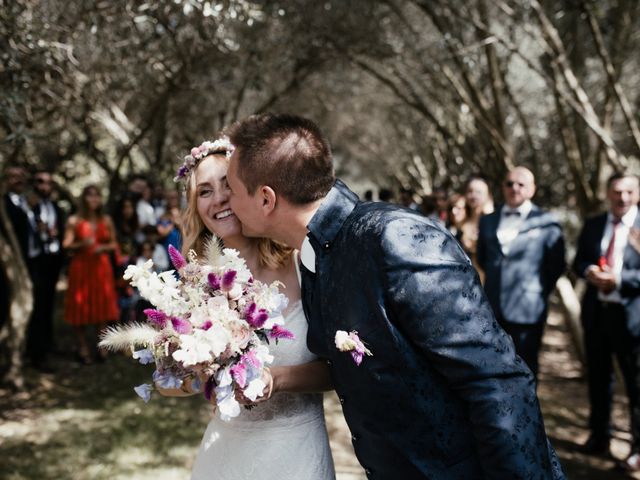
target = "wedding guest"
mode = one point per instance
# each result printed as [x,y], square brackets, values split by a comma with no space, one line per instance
[144,208]
[127,227]
[158,200]
[140,189]
[456,214]
[442,203]
[158,253]
[428,206]
[607,259]
[521,252]
[385,195]
[91,295]
[22,221]
[478,202]
[407,200]
[429,383]
[170,221]
[288,422]
[129,236]
[19,211]
[50,223]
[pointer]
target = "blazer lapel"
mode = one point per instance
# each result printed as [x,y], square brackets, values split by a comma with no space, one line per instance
[493,221]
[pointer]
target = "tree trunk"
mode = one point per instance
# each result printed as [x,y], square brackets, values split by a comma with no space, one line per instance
[13,332]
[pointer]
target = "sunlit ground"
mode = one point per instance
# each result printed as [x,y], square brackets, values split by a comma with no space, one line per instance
[85,422]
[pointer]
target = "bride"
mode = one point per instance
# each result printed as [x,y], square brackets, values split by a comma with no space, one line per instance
[283,436]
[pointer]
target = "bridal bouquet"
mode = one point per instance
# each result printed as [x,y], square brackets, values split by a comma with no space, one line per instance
[213,320]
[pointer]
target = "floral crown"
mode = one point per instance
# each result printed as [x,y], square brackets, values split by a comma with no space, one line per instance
[221,145]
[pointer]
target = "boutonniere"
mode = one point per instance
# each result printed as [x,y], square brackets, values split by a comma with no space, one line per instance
[350,342]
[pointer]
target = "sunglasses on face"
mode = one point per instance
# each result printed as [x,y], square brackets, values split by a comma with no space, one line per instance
[511,184]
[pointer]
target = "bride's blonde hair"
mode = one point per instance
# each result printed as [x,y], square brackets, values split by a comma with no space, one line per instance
[271,254]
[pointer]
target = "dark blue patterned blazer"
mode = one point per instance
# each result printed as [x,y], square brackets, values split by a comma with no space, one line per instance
[444,396]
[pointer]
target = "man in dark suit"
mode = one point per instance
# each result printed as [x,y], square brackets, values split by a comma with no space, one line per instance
[521,250]
[607,259]
[443,394]
[22,221]
[18,210]
[45,270]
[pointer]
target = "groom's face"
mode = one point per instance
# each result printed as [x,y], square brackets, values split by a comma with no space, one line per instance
[245,206]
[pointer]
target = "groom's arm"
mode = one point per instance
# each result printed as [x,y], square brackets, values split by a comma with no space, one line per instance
[436,300]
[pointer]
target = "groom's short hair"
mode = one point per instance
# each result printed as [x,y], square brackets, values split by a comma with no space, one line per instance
[286,152]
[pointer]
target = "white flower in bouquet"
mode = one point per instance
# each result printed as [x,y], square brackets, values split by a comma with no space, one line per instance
[214,318]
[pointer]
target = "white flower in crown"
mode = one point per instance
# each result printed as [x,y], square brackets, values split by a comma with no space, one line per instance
[221,145]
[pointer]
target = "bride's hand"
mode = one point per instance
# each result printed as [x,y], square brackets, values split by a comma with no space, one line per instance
[267,378]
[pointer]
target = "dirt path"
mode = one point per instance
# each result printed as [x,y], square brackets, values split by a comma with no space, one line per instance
[563,396]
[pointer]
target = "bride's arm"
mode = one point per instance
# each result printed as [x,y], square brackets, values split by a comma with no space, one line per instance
[184,391]
[308,377]
[305,378]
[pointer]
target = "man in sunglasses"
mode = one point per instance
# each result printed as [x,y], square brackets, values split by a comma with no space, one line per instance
[521,250]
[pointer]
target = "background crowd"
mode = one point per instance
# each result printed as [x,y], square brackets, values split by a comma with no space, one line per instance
[517,248]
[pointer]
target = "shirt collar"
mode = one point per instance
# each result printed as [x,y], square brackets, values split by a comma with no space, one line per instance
[308,255]
[524,209]
[628,218]
[332,213]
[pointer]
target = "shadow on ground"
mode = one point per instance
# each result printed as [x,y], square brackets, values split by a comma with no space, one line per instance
[85,422]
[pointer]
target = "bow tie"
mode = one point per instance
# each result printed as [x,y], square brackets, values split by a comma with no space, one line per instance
[508,213]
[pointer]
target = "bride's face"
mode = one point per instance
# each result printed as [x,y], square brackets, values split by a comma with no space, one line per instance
[212,197]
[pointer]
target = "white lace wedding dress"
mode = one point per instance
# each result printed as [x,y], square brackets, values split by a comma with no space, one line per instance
[284,438]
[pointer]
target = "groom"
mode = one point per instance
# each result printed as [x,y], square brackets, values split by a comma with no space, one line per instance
[443,394]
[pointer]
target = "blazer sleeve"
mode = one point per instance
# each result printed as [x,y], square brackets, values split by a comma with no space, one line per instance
[436,300]
[481,253]
[554,260]
[630,282]
[582,259]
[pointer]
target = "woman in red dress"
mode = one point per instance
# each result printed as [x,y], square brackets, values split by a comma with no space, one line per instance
[91,295]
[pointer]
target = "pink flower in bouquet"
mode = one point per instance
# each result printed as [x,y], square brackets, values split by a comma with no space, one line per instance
[176,258]
[214,319]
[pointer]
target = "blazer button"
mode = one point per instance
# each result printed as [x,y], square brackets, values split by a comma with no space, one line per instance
[329,363]
[367,471]
[341,400]
[326,245]
[354,437]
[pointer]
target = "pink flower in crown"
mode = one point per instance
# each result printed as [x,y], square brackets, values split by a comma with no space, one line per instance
[350,342]
[221,145]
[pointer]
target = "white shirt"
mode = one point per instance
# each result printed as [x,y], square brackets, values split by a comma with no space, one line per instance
[48,217]
[308,255]
[146,214]
[20,202]
[622,238]
[510,225]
